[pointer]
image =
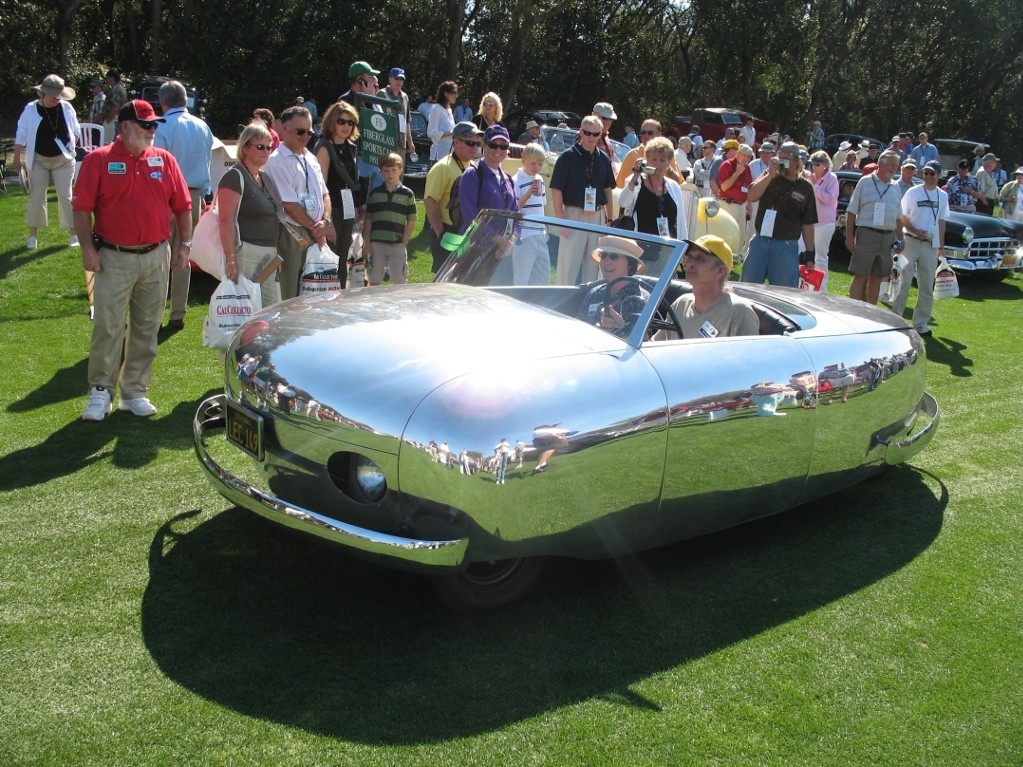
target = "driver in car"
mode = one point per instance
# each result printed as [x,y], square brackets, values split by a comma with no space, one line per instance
[615,303]
[711,310]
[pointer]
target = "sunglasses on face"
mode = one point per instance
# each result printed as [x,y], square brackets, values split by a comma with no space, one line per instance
[611,256]
[146,124]
[590,133]
[699,258]
[647,133]
[343,121]
[498,146]
[930,173]
[261,147]
[303,131]
[490,103]
[473,144]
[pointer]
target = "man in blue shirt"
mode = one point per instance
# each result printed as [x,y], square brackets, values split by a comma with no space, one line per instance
[924,152]
[190,140]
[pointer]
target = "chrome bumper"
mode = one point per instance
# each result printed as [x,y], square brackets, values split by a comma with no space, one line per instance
[406,553]
[899,449]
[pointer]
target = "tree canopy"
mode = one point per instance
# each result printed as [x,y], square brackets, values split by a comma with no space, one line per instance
[951,67]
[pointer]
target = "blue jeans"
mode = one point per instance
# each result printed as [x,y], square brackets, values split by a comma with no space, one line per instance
[777,261]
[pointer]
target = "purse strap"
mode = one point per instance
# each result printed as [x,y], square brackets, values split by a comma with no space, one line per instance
[335,161]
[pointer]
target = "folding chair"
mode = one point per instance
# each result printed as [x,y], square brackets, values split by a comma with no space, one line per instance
[91,136]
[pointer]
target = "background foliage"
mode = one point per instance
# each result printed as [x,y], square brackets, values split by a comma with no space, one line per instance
[953,67]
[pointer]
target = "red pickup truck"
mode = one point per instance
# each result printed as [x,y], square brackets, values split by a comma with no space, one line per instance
[714,120]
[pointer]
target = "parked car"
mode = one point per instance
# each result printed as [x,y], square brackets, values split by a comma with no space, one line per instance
[516,121]
[147,88]
[418,168]
[952,150]
[714,120]
[832,142]
[974,243]
[377,418]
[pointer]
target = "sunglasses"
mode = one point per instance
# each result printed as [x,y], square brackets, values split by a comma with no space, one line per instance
[699,258]
[146,124]
[342,121]
[490,103]
[303,131]
[261,147]
[611,256]
[498,146]
[930,173]
[473,144]
[647,132]
[590,133]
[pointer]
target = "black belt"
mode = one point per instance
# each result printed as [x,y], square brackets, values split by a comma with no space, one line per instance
[879,231]
[137,249]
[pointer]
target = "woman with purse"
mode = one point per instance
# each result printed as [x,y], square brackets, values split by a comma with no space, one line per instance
[337,154]
[248,212]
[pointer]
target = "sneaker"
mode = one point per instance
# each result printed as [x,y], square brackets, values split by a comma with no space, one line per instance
[99,404]
[31,244]
[139,406]
[73,242]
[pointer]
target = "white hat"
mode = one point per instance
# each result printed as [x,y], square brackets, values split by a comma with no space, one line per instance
[53,85]
[844,146]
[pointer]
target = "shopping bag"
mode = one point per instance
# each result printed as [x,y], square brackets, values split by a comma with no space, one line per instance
[890,287]
[320,272]
[207,251]
[231,304]
[946,284]
[810,278]
[356,266]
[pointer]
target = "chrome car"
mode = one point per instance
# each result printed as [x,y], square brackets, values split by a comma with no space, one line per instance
[471,427]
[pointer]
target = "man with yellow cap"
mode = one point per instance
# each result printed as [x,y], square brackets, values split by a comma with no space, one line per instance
[710,310]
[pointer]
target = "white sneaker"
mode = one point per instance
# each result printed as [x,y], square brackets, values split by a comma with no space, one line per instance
[73,242]
[139,406]
[99,404]
[31,244]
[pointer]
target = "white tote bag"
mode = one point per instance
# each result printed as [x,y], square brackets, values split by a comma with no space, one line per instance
[231,304]
[946,284]
[320,272]
[207,250]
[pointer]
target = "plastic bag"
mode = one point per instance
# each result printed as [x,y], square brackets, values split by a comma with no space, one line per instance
[946,284]
[320,272]
[810,278]
[890,288]
[231,304]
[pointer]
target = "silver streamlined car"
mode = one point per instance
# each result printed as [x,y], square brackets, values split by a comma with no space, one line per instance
[471,427]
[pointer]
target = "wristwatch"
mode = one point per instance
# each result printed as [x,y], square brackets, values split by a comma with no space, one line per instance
[188,244]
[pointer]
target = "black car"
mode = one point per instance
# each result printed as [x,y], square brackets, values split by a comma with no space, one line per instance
[974,243]
[147,88]
[516,121]
[418,168]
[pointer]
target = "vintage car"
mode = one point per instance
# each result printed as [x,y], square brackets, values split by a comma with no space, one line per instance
[975,244]
[147,88]
[714,120]
[471,427]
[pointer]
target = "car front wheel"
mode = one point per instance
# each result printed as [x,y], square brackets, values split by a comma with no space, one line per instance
[487,585]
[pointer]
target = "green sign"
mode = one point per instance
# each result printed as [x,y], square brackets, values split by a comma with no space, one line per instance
[378,135]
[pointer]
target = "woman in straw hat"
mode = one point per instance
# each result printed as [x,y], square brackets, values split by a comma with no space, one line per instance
[615,303]
[47,133]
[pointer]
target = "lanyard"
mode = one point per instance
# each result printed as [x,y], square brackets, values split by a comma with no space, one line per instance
[304,165]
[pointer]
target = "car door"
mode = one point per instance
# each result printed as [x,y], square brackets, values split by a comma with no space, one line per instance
[740,430]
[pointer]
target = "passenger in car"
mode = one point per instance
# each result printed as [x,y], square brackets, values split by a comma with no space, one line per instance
[710,310]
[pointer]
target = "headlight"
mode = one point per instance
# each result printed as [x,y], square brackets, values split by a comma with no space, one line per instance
[712,207]
[370,479]
[967,234]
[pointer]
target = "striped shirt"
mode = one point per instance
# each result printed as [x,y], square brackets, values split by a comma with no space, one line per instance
[389,212]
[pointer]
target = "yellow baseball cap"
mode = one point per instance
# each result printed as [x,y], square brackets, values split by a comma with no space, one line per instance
[714,245]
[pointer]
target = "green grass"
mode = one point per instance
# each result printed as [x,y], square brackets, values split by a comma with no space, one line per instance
[143,621]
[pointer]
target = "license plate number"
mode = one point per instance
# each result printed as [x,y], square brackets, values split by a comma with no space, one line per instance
[245,429]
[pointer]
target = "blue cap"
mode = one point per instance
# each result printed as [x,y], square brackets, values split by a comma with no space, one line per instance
[398,73]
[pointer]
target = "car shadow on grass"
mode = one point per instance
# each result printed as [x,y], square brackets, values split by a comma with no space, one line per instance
[275,626]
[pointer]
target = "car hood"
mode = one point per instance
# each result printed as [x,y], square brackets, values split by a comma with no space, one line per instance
[373,354]
[982,226]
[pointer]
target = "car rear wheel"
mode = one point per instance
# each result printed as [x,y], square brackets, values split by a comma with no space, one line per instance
[487,585]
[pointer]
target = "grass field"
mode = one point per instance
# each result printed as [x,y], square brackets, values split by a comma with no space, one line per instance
[145,622]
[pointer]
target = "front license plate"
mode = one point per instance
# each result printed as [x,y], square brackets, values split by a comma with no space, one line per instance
[245,429]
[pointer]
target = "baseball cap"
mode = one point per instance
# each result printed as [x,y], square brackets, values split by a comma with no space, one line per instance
[767,146]
[138,111]
[747,150]
[714,245]
[910,163]
[496,131]
[963,164]
[730,144]
[361,68]
[397,73]
[603,109]
[464,129]
[613,244]
[936,166]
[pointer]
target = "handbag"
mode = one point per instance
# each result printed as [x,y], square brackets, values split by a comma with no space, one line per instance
[207,249]
[626,221]
[946,284]
[231,304]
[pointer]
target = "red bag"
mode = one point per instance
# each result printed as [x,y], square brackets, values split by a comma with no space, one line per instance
[810,278]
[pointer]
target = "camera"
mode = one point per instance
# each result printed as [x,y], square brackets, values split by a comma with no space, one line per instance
[784,164]
[642,167]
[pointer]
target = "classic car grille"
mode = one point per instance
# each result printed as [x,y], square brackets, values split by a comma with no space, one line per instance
[991,247]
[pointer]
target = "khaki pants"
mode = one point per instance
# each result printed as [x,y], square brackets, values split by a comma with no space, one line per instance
[922,261]
[574,251]
[738,211]
[294,259]
[63,171]
[180,279]
[252,259]
[132,285]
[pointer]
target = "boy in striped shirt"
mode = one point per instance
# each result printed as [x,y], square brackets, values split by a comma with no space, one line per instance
[387,229]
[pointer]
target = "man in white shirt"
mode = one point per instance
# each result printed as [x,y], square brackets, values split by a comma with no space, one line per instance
[924,212]
[297,177]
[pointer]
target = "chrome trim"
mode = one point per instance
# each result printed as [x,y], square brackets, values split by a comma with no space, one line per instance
[900,450]
[422,554]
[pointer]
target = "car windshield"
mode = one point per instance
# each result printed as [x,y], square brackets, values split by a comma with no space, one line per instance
[561,140]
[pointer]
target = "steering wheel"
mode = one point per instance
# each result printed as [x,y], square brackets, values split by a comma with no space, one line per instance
[664,316]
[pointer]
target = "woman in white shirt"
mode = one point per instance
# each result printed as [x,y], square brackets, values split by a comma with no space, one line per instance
[442,120]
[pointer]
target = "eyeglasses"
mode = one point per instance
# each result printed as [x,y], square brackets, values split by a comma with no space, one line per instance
[490,103]
[498,146]
[590,133]
[261,147]
[146,124]
[343,121]
[699,258]
[711,147]
[303,131]
[819,162]
[930,173]
[610,256]
[473,144]
[648,133]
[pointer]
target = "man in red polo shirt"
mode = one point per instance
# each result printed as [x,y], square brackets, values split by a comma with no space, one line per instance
[124,198]
[734,179]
